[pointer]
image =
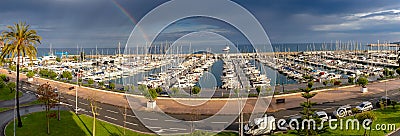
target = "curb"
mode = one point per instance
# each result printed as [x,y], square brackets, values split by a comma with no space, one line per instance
[398,129]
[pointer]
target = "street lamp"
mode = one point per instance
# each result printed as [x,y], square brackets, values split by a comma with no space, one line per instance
[59,101]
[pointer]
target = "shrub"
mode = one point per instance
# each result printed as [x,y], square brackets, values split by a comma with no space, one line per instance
[159,90]
[363,81]
[112,86]
[12,67]
[3,77]
[90,81]
[258,89]
[52,75]
[398,71]
[351,80]
[30,74]
[67,74]
[196,90]
[2,84]
[310,84]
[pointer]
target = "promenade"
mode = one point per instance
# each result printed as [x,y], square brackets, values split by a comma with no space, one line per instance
[212,106]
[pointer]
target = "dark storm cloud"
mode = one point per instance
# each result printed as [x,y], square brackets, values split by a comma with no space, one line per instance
[66,23]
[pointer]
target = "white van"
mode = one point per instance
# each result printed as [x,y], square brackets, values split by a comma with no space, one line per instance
[365,106]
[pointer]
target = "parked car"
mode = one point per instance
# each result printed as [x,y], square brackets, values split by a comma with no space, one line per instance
[261,126]
[322,115]
[343,111]
[365,106]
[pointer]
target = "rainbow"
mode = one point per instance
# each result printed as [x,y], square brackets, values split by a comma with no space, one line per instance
[131,18]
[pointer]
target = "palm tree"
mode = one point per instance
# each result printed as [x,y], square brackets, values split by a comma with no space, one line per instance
[19,40]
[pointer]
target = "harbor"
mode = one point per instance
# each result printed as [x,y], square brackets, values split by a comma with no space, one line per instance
[245,71]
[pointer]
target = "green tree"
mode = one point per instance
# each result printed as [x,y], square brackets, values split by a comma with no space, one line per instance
[2,84]
[142,88]
[386,72]
[159,90]
[307,111]
[112,86]
[101,84]
[49,98]
[151,94]
[30,74]
[258,89]
[19,40]
[52,75]
[11,86]
[363,116]
[351,80]
[398,71]
[3,77]
[91,81]
[196,90]
[362,81]
[67,75]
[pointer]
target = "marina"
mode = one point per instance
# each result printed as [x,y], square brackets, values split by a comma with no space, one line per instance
[231,70]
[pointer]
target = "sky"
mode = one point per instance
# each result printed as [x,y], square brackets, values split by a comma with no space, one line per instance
[105,23]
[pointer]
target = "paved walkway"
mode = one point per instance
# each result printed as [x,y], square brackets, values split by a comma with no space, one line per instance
[213,106]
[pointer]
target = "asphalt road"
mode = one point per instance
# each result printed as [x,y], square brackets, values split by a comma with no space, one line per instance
[174,124]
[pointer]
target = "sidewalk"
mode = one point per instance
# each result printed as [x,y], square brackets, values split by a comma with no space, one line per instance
[213,106]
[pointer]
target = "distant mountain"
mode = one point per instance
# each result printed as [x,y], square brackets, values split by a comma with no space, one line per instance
[396,43]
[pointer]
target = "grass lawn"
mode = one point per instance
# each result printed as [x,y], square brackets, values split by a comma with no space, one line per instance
[4,109]
[6,95]
[70,125]
[386,116]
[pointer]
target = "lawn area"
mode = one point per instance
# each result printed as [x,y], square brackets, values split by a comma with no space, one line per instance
[203,133]
[386,116]
[6,95]
[70,125]
[4,109]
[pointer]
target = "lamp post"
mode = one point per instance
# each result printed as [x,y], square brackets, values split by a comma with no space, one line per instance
[59,102]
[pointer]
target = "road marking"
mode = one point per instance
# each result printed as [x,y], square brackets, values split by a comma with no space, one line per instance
[328,108]
[112,111]
[172,120]
[220,122]
[84,103]
[154,127]
[71,100]
[150,119]
[178,129]
[131,123]
[110,118]
[130,116]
